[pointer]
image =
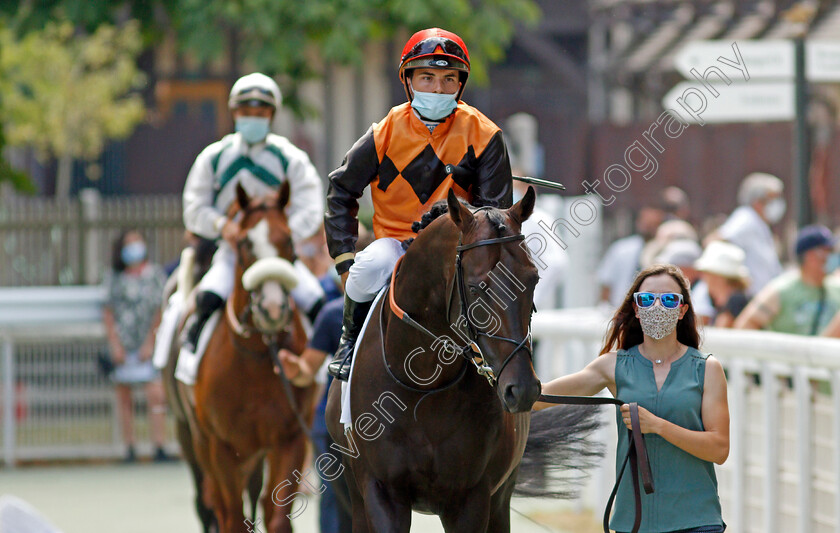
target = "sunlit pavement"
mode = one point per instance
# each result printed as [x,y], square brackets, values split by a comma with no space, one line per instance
[158,497]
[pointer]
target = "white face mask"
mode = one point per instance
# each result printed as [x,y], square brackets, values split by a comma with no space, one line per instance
[657,321]
[774,210]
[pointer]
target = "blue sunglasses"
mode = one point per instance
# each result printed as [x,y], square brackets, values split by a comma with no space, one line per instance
[669,300]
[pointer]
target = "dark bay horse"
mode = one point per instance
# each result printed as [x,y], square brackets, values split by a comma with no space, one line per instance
[443,381]
[238,414]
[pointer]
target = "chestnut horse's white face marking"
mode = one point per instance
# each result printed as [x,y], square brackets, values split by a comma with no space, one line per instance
[270,303]
[260,243]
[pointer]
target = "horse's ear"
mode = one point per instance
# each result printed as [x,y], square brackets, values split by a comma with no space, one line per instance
[283,199]
[524,208]
[458,212]
[242,197]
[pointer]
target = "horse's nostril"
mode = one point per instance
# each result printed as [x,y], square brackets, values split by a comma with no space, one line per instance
[510,394]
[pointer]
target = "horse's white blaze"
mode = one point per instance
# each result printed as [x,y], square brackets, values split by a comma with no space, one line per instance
[261,245]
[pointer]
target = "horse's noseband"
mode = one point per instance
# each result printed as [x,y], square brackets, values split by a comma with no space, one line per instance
[243,325]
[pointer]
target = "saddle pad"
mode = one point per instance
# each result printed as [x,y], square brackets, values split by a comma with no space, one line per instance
[346,417]
[166,330]
[187,367]
[17,516]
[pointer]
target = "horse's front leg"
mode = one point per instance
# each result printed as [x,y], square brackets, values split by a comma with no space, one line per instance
[229,483]
[500,507]
[386,512]
[285,470]
[470,514]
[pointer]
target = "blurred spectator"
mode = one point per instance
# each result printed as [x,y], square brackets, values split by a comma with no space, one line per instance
[131,315]
[621,261]
[761,205]
[675,204]
[726,278]
[668,231]
[552,262]
[683,252]
[802,301]
[831,268]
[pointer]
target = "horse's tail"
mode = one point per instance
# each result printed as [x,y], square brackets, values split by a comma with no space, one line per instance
[559,451]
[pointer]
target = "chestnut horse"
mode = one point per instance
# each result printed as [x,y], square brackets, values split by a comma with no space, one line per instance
[239,412]
[443,381]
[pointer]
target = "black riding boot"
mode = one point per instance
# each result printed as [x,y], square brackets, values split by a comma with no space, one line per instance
[206,303]
[354,317]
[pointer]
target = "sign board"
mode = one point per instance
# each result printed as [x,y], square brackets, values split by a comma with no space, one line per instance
[764,60]
[770,59]
[822,61]
[752,101]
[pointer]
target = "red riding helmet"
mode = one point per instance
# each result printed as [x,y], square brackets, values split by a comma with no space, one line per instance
[435,48]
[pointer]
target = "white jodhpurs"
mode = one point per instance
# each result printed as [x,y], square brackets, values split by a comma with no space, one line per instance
[372,267]
[219,279]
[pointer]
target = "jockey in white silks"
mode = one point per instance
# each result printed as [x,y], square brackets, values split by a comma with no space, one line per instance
[261,162]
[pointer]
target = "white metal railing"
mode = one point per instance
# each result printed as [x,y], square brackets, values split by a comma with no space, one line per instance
[54,404]
[783,471]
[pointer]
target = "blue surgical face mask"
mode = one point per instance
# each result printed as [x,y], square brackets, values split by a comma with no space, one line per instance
[433,106]
[253,129]
[133,253]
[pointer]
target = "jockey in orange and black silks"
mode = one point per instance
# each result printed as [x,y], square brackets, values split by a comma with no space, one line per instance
[404,159]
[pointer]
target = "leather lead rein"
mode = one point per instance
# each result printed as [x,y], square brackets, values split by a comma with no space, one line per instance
[636,453]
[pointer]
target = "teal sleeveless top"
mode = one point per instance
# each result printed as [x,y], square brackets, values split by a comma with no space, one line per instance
[685,494]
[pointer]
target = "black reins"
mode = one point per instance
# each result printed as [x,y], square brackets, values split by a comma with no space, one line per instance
[637,454]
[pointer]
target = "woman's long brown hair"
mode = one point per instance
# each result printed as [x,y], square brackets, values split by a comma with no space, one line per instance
[626,331]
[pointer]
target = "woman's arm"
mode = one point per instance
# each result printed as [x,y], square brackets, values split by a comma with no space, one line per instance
[148,346]
[114,343]
[591,380]
[712,444]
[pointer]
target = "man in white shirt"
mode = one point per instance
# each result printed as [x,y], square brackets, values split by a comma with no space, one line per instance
[761,205]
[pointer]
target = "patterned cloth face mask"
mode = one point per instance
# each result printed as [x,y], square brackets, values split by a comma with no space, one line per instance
[657,321]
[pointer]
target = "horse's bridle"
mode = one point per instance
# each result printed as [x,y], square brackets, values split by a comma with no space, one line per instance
[471,350]
[481,364]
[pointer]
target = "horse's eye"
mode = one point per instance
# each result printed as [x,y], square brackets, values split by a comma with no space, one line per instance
[473,290]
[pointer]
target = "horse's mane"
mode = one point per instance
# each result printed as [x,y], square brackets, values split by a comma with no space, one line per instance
[441,207]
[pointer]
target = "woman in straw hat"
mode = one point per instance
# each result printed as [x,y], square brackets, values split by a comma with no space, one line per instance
[722,269]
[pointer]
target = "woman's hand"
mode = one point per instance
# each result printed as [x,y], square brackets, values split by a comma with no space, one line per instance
[117,354]
[146,351]
[648,422]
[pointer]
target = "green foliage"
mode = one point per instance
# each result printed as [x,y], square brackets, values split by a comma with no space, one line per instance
[294,38]
[64,93]
[88,15]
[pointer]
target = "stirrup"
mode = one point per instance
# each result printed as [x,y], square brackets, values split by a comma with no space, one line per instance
[340,369]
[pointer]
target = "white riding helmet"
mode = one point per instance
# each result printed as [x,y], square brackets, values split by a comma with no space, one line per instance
[256,88]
